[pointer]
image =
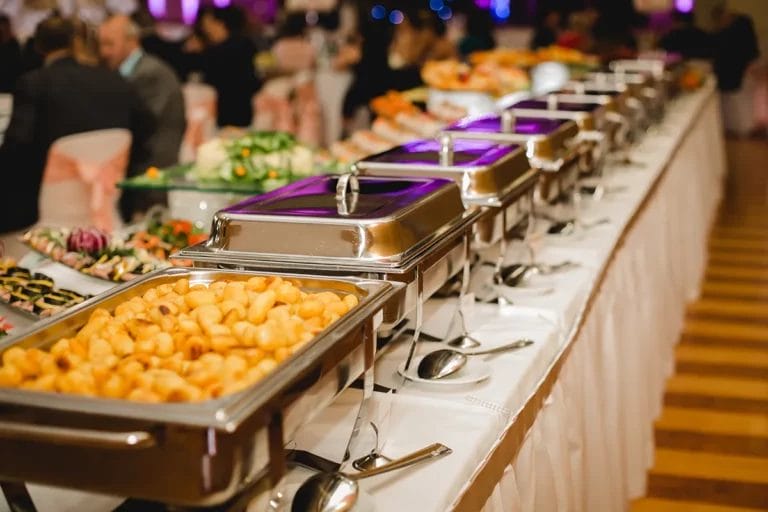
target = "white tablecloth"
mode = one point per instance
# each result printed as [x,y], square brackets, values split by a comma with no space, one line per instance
[604,337]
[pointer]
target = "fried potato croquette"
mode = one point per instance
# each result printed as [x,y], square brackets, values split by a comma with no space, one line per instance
[179,342]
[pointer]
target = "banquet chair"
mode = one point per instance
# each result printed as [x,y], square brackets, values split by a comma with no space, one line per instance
[200,106]
[290,104]
[80,179]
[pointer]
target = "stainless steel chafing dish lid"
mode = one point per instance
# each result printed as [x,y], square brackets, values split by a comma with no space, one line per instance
[226,413]
[657,67]
[485,170]
[587,113]
[640,79]
[544,138]
[341,222]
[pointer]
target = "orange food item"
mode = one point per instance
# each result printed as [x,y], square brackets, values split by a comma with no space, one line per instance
[153,172]
[391,104]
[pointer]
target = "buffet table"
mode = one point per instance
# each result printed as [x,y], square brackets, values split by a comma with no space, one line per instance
[565,424]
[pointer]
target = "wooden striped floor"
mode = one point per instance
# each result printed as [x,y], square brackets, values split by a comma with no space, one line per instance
[712,437]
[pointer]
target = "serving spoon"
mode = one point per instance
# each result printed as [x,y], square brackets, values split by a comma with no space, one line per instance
[444,362]
[338,492]
[569,226]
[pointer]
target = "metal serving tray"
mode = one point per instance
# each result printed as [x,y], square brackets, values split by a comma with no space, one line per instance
[492,176]
[408,230]
[194,454]
[552,146]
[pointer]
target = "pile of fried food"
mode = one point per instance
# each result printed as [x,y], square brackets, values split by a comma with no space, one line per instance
[530,58]
[487,77]
[180,342]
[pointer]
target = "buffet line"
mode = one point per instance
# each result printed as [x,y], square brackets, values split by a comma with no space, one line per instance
[190,377]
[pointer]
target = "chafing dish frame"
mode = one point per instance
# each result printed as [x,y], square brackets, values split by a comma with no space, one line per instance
[195,454]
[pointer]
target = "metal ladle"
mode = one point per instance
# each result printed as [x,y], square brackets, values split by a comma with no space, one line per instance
[442,363]
[569,226]
[338,492]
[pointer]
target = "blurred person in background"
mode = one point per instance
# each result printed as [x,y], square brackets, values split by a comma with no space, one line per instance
[85,46]
[10,56]
[685,38]
[613,31]
[478,33]
[292,50]
[368,59]
[157,86]
[62,98]
[735,49]
[578,34]
[419,38]
[226,59]
[547,29]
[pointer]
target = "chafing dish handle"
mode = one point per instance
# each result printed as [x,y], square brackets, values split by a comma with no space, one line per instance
[77,437]
[347,192]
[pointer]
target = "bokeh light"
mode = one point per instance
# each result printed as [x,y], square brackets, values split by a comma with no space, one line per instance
[396,17]
[684,5]
[378,12]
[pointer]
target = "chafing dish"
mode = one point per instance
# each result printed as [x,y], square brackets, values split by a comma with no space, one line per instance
[626,98]
[643,85]
[407,230]
[551,145]
[194,454]
[665,69]
[497,178]
[599,128]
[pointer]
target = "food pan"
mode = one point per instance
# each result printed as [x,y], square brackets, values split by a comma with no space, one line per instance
[409,230]
[491,176]
[194,454]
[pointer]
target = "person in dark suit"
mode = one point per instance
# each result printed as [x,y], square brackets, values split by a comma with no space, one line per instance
[156,84]
[227,64]
[10,56]
[154,81]
[686,39]
[61,98]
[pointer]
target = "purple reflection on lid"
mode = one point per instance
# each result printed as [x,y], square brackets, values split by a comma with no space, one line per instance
[316,197]
[523,125]
[466,153]
[569,106]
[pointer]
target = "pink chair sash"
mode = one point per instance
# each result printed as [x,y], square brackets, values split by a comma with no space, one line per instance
[100,177]
[201,120]
[301,117]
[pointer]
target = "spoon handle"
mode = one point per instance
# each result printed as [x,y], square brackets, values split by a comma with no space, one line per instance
[431,451]
[512,346]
